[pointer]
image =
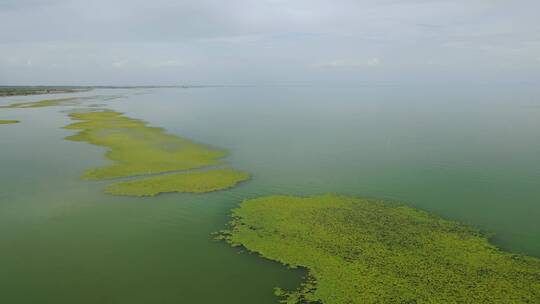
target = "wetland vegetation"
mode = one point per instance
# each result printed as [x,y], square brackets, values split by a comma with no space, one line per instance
[137,149]
[361,251]
[191,181]
[67,101]
[161,160]
[8,121]
[42,103]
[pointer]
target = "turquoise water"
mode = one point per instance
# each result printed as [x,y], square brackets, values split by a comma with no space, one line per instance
[466,153]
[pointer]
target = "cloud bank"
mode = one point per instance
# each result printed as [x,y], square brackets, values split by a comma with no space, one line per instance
[268,41]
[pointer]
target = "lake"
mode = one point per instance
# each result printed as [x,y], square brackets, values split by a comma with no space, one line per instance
[467,153]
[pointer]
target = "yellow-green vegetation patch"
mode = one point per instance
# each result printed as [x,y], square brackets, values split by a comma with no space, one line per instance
[6,122]
[137,149]
[42,103]
[360,251]
[188,182]
[68,101]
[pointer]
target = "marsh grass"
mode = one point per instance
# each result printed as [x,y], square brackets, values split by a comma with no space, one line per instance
[42,103]
[6,122]
[360,251]
[68,101]
[137,149]
[188,182]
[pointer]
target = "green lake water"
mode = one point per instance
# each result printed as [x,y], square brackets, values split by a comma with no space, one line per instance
[470,154]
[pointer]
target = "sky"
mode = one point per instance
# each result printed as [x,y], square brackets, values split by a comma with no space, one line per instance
[268,42]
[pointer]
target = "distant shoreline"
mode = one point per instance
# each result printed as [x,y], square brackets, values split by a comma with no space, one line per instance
[24,91]
[39,90]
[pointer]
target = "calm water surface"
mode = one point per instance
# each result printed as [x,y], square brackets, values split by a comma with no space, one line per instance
[466,153]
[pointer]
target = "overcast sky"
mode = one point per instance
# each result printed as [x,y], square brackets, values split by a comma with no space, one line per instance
[268,41]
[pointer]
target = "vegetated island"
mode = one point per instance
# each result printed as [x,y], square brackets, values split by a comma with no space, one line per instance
[362,251]
[7,122]
[137,150]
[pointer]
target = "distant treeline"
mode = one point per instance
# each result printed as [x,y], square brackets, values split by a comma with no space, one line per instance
[34,90]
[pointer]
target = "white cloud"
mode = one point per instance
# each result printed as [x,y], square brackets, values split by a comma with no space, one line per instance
[267,40]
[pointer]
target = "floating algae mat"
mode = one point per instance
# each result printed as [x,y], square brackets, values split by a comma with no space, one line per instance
[138,150]
[360,251]
[193,182]
[43,103]
[68,101]
[6,122]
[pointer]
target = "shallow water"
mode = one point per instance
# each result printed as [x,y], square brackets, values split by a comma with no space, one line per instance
[466,153]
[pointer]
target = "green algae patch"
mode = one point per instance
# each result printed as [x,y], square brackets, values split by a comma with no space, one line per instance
[42,103]
[68,101]
[360,251]
[159,162]
[187,182]
[7,122]
[137,149]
